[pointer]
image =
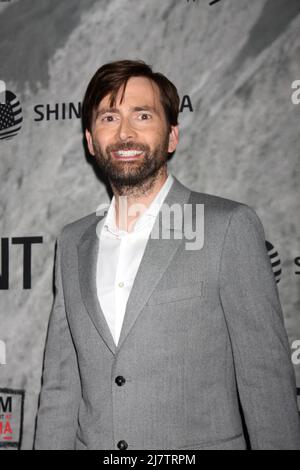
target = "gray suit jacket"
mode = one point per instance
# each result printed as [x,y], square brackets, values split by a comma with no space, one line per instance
[203,332]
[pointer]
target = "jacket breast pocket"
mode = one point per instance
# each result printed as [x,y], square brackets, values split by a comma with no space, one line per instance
[175,294]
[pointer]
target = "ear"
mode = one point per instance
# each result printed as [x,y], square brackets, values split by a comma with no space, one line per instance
[89,140]
[173,139]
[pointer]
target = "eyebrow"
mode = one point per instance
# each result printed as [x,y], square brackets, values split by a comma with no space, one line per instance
[102,111]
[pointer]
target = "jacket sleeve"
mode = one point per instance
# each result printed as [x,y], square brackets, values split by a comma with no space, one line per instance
[61,389]
[250,300]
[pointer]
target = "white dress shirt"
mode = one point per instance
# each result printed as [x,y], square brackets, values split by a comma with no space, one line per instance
[119,256]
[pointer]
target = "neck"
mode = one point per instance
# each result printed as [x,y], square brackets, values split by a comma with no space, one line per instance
[131,202]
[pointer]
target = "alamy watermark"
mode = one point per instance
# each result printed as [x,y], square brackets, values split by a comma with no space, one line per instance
[295,97]
[177,221]
[296,353]
[2,353]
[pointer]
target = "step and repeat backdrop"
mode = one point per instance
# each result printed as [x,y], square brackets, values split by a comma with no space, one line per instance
[236,65]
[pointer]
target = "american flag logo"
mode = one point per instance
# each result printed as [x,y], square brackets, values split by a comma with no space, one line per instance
[275,260]
[10,115]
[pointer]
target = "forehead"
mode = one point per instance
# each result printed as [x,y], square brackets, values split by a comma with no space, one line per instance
[138,91]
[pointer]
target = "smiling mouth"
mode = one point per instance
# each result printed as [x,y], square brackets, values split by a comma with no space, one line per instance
[128,154]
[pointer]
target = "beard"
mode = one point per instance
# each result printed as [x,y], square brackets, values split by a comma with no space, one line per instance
[135,173]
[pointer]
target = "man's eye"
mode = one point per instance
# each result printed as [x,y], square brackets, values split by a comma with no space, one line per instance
[107,118]
[145,114]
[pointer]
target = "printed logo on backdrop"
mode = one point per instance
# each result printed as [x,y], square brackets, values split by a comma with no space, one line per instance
[10,113]
[275,260]
[11,417]
[27,243]
[66,111]
[297,263]
[276,263]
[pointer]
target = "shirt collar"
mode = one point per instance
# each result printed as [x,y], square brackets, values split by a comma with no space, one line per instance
[147,217]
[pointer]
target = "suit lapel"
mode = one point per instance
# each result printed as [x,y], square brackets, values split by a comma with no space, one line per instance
[87,265]
[157,256]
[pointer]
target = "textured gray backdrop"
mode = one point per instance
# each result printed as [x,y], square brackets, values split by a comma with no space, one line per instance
[236,60]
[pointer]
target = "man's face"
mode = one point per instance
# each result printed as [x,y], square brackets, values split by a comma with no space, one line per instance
[131,141]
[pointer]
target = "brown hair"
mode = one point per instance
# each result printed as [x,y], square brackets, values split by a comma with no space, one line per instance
[110,77]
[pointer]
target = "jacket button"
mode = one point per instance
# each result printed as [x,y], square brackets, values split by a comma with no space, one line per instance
[122,445]
[120,380]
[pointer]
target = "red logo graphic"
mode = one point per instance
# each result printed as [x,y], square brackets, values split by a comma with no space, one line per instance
[11,417]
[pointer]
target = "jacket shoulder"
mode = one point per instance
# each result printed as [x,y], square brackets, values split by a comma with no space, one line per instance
[76,228]
[223,210]
[216,203]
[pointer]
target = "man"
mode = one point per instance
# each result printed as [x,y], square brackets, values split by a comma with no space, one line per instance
[154,344]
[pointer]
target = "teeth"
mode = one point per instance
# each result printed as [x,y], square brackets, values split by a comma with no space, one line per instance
[129,153]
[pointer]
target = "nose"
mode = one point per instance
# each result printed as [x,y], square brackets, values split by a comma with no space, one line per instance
[125,130]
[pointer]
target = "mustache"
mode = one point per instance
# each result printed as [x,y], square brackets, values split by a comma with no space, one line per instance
[128,146]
